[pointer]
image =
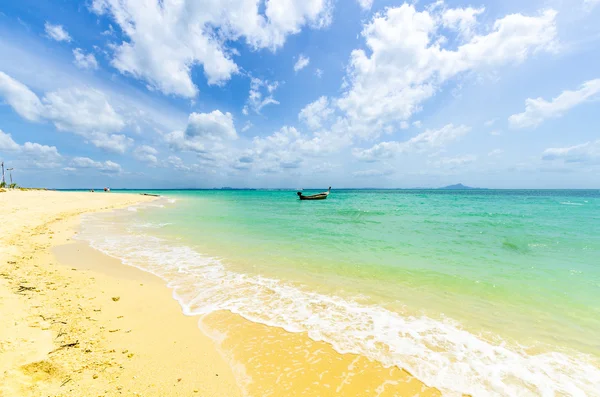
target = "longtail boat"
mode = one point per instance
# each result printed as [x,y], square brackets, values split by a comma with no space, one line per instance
[320,196]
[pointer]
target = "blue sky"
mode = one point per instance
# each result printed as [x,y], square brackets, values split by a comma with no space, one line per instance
[297,93]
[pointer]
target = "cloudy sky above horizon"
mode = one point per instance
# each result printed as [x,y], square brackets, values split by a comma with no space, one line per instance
[297,93]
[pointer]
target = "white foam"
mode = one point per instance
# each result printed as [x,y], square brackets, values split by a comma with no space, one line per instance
[570,203]
[439,353]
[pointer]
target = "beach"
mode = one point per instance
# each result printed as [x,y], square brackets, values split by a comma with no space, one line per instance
[368,293]
[87,325]
[78,322]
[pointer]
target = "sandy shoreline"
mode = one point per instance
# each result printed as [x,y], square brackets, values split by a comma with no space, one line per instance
[77,322]
[62,332]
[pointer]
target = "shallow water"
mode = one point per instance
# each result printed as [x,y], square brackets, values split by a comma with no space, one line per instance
[481,292]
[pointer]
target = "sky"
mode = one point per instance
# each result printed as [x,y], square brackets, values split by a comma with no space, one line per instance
[300,93]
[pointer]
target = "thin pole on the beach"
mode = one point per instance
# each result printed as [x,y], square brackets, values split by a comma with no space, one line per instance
[10,174]
[3,173]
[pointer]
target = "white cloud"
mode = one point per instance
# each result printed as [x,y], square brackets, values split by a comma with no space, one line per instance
[365,4]
[301,63]
[213,126]
[538,110]
[56,32]
[246,126]
[146,154]
[495,152]
[257,99]
[372,173]
[462,20]
[34,154]
[454,162]
[7,143]
[430,139]
[588,152]
[166,39]
[205,132]
[490,123]
[496,133]
[109,32]
[84,61]
[315,113]
[318,73]
[287,147]
[108,166]
[178,164]
[83,111]
[408,59]
[418,124]
[20,98]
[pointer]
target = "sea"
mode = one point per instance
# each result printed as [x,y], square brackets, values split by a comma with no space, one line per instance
[479,292]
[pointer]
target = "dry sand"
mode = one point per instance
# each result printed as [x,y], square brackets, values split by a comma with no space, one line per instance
[87,325]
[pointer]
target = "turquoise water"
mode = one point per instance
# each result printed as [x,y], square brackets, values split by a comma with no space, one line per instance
[500,289]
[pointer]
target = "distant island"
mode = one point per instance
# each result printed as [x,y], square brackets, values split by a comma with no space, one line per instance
[460,186]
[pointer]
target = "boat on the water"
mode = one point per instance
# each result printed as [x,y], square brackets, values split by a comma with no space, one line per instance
[320,196]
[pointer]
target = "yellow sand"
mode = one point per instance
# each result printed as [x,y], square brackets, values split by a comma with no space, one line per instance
[75,322]
[94,327]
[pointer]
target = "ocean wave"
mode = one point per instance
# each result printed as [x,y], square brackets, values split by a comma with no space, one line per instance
[440,353]
[570,203]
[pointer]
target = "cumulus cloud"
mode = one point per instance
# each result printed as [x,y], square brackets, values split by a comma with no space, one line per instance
[301,63]
[538,110]
[365,4]
[166,39]
[588,152]
[286,149]
[56,32]
[146,154]
[80,110]
[204,132]
[315,113]
[318,73]
[408,58]
[260,95]
[462,20]
[33,154]
[178,164]
[7,143]
[83,60]
[107,166]
[430,139]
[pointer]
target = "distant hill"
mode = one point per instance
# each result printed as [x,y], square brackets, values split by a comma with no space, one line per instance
[459,186]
